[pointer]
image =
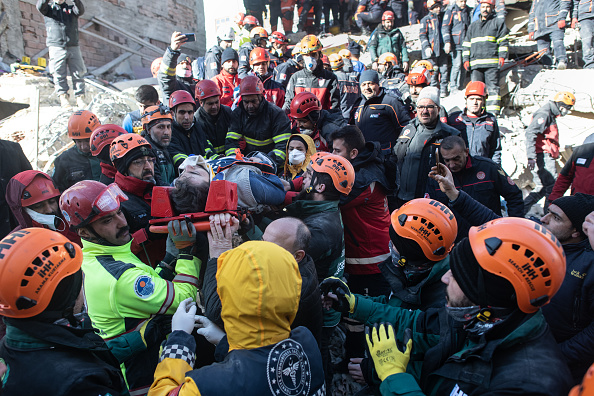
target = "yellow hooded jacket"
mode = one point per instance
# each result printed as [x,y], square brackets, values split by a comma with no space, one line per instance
[292,171]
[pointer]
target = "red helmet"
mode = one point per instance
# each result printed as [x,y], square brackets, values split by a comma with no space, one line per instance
[258,55]
[387,15]
[419,76]
[155,66]
[476,88]
[492,2]
[39,187]
[304,103]
[325,60]
[103,136]
[89,200]
[238,19]
[179,97]
[206,89]
[279,38]
[81,124]
[251,85]
[251,20]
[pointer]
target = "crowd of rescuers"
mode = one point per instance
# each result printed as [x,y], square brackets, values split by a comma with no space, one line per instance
[227,238]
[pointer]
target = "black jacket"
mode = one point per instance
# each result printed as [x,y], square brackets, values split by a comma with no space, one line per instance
[381,118]
[415,155]
[570,313]
[168,81]
[12,161]
[320,82]
[73,166]
[212,62]
[61,22]
[284,71]
[187,142]
[480,133]
[215,128]
[486,42]
[165,172]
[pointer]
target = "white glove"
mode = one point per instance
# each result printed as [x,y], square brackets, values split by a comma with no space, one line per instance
[447,47]
[428,52]
[183,319]
[209,330]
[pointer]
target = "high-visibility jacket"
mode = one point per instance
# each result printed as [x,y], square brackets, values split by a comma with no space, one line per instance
[486,42]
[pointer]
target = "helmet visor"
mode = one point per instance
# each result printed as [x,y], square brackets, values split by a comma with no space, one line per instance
[108,201]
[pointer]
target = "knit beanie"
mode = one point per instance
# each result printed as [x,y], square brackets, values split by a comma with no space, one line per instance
[369,75]
[123,164]
[498,291]
[429,93]
[355,48]
[229,54]
[407,248]
[576,208]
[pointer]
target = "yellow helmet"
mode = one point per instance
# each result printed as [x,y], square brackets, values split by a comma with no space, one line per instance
[296,49]
[335,61]
[565,97]
[424,63]
[387,57]
[345,53]
[309,44]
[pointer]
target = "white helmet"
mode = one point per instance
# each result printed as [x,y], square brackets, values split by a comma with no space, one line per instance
[226,33]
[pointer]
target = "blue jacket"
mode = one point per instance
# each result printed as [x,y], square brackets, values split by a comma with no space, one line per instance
[544,15]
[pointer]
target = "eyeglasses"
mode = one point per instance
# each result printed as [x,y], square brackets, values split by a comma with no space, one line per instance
[141,161]
[428,107]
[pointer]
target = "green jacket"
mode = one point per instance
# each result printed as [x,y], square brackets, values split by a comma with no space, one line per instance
[392,41]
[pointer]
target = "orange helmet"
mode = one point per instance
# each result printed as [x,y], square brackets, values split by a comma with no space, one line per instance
[586,388]
[206,89]
[123,144]
[336,61]
[424,63]
[258,31]
[89,200]
[524,253]
[309,44]
[251,85]
[387,57]
[251,20]
[345,53]
[39,187]
[258,55]
[565,97]
[387,15]
[304,103]
[153,113]
[492,2]
[340,170]
[155,66]
[476,88]
[81,124]
[103,136]
[33,261]
[418,76]
[238,19]
[279,38]
[429,223]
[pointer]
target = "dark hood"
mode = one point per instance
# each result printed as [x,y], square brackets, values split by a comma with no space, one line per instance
[14,193]
[369,168]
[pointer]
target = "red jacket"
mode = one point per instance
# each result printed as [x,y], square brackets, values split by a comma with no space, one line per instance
[578,173]
[274,92]
[226,82]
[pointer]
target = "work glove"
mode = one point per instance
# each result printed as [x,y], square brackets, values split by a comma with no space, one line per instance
[447,47]
[531,163]
[346,300]
[155,330]
[574,23]
[501,61]
[388,357]
[428,52]
[561,24]
[182,233]
[531,36]
[467,66]
[209,330]
[183,319]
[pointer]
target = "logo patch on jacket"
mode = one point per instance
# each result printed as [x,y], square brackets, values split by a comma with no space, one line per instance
[480,175]
[144,286]
[288,369]
[374,115]
[457,391]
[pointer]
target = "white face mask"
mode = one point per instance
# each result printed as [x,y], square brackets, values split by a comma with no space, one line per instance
[310,62]
[48,220]
[296,157]
[307,132]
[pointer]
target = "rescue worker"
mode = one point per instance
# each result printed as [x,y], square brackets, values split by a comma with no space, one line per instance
[77,163]
[485,51]
[249,22]
[100,141]
[352,54]
[12,162]
[546,24]
[258,39]
[187,138]
[368,15]
[577,173]
[212,58]
[123,294]
[417,79]
[478,128]
[227,80]
[212,117]
[542,147]
[456,21]
[388,38]
[287,13]
[583,13]
[146,96]
[313,77]
[33,199]
[300,148]
[348,83]
[279,48]
[413,269]
[175,74]
[37,302]
[265,361]
[284,71]
[480,178]
[392,77]
[309,7]
[262,125]
[381,117]
[260,64]
[491,325]
[416,146]
[432,43]
[313,121]
[157,131]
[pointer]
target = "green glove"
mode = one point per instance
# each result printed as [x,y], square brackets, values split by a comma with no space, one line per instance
[346,299]
[155,330]
[387,357]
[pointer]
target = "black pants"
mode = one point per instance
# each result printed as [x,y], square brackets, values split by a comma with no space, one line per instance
[490,76]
